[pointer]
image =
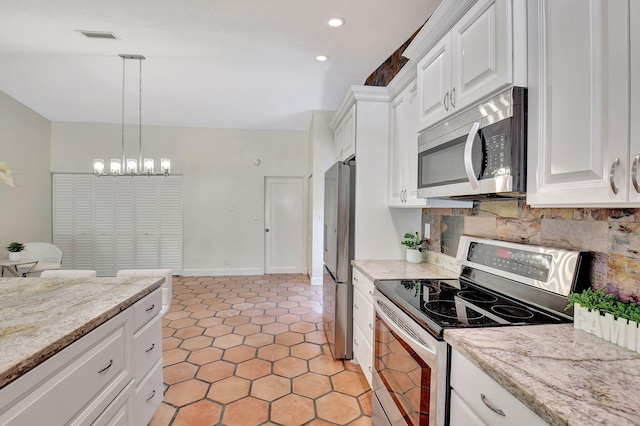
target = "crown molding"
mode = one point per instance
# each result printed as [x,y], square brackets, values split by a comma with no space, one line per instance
[357,93]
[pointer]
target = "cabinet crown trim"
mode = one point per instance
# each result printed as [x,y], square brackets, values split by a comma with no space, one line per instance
[357,93]
[439,24]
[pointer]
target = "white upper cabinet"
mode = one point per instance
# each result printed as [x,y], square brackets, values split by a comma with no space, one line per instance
[345,136]
[474,59]
[583,98]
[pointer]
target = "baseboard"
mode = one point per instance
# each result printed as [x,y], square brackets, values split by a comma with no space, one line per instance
[217,272]
[316,280]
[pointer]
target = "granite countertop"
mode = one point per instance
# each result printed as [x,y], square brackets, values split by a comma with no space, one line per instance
[566,376]
[400,269]
[41,316]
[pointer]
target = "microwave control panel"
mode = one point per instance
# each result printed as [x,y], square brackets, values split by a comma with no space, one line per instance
[497,143]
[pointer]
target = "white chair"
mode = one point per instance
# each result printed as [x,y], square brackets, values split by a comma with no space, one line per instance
[68,273]
[167,286]
[48,256]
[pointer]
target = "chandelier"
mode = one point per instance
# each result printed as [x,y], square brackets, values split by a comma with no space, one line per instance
[129,166]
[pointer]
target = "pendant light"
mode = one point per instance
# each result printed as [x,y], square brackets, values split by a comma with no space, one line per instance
[130,166]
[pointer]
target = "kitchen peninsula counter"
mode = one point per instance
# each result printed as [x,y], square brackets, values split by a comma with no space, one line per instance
[566,376]
[41,316]
[400,270]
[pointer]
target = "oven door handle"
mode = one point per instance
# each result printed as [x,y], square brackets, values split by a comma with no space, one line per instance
[426,351]
[468,155]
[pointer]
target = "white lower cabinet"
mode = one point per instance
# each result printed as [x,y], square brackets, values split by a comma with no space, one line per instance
[363,323]
[477,399]
[91,381]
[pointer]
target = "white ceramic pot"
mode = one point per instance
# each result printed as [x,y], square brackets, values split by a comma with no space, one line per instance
[414,256]
[14,256]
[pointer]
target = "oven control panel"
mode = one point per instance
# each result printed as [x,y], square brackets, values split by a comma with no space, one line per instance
[520,262]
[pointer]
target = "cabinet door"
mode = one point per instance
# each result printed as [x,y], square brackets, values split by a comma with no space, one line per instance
[63,217]
[634,31]
[578,103]
[349,137]
[481,61]
[339,140]
[434,83]
[397,129]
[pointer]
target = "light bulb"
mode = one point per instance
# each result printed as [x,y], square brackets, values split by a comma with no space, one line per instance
[98,166]
[116,166]
[165,165]
[132,166]
[148,165]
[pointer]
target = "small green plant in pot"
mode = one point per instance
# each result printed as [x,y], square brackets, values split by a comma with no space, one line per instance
[14,250]
[413,242]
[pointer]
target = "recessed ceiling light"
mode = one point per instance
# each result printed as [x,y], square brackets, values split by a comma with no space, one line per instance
[99,34]
[336,22]
[321,58]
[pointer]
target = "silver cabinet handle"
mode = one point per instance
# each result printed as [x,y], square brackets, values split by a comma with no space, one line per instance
[370,370]
[153,345]
[107,367]
[453,97]
[371,326]
[152,395]
[355,278]
[355,342]
[150,308]
[491,406]
[445,101]
[266,230]
[468,158]
[355,306]
[634,173]
[612,174]
[371,292]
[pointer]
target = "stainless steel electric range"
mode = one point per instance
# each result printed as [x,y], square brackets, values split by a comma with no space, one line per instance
[500,284]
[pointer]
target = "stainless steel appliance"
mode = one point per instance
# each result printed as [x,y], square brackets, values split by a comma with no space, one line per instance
[500,284]
[337,292]
[479,153]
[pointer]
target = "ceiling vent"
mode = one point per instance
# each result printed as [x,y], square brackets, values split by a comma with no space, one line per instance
[99,34]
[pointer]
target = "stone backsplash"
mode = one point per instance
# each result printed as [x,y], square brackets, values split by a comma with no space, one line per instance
[611,235]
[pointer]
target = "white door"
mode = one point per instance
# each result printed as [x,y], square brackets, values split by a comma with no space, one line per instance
[284,225]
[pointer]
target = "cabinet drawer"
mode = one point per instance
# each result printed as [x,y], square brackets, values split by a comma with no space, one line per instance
[118,413]
[147,347]
[363,314]
[364,284]
[363,352]
[480,391]
[82,386]
[148,396]
[146,308]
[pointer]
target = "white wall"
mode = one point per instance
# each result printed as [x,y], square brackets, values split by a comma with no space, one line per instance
[223,188]
[25,210]
[323,155]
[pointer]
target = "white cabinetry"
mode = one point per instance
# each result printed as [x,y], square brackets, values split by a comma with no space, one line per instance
[345,136]
[403,146]
[477,399]
[472,61]
[91,380]
[583,103]
[110,223]
[363,323]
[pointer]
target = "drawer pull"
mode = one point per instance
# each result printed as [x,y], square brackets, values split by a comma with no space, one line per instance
[370,370]
[152,395]
[355,278]
[153,345]
[355,342]
[107,367]
[151,307]
[371,326]
[371,292]
[355,306]
[491,406]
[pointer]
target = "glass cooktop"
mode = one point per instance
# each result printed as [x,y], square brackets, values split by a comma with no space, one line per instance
[454,303]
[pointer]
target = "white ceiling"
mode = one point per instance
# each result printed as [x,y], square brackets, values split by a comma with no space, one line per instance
[210,63]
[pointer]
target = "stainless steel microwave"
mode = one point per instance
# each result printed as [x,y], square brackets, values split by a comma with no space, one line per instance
[478,153]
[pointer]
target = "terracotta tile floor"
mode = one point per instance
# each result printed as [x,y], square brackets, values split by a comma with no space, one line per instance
[250,350]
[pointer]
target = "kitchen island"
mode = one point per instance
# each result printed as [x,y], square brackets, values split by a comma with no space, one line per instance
[55,332]
[566,376]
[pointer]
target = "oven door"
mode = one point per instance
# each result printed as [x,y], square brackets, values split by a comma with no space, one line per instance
[410,368]
[451,164]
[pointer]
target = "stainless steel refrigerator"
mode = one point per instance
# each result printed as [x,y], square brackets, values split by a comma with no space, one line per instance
[337,292]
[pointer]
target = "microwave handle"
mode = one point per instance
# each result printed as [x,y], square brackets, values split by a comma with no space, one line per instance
[468,159]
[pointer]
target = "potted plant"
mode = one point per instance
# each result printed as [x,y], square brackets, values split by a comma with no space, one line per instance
[14,250]
[603,315]
[413,242]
